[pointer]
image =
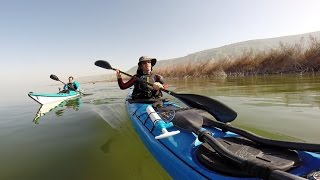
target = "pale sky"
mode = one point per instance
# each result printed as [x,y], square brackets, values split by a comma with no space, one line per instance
[66,37]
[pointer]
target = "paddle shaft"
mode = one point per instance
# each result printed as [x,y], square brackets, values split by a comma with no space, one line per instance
[165,90]
[71,88]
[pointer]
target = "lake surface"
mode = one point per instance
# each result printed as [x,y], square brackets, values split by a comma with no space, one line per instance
[92,137]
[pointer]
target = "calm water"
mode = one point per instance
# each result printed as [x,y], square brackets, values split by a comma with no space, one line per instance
[92,137]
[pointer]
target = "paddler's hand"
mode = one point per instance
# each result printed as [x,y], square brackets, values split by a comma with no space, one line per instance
[157,86]
[118,73]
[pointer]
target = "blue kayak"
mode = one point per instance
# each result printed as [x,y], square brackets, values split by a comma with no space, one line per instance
[171,134]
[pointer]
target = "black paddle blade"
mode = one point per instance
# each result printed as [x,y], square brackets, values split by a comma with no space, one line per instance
[217,109]
[103,64]
[54,77]
[189,120]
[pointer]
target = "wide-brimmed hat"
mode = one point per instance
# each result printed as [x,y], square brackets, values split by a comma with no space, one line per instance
[146,58]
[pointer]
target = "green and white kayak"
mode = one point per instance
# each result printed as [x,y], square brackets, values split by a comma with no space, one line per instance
[43,98]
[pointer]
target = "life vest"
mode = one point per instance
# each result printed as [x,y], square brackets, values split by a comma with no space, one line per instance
[142,90]
[71,86]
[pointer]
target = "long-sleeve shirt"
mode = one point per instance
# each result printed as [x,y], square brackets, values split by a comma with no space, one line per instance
[125,85]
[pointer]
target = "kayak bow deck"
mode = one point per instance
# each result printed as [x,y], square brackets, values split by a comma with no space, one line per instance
[185,157]
[43,98]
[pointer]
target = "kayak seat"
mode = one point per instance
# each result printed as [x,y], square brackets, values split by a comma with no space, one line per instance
[281,159]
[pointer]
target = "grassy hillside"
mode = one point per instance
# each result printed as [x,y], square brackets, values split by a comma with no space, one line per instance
[233,51]
[298,58]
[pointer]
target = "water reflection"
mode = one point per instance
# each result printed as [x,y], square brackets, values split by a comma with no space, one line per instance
[57,107]
[113,114]
[107,146]
[289,89]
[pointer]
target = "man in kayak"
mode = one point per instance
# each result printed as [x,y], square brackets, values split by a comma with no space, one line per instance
[144,72]
[73,86]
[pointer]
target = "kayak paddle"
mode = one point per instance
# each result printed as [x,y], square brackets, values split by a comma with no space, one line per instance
[191,121]
[217,109]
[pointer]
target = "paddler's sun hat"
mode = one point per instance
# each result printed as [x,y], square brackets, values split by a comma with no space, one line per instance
[146,58]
